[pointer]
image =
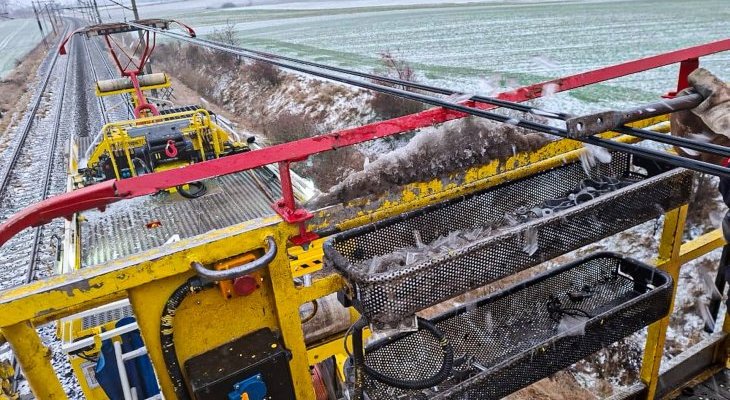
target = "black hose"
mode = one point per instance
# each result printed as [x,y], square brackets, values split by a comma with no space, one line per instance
[360,366]
[200,190]
[358,358]
[169,354]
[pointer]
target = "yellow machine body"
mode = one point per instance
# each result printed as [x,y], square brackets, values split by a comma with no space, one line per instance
[122,147]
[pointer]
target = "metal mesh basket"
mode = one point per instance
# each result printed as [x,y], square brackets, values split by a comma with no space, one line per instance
[386,298]
[510,339]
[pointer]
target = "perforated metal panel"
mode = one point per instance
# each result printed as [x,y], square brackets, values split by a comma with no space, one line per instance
[388,297]
[105,317]
[508,340]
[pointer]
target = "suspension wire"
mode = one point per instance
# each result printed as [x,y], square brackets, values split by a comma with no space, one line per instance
[661,156]
[414,85]
[626,130]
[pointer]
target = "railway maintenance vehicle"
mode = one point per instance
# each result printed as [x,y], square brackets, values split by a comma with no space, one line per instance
[193,268]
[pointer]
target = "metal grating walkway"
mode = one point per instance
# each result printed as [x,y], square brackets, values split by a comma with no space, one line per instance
[122,229]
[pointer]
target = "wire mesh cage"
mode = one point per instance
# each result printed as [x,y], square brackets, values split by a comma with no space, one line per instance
[527,332]
[388,295]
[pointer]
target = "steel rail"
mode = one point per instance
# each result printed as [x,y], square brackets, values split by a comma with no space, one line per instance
[102,106]
[5,181]
[678,161]
[627,130]
[32,267]
[48,172]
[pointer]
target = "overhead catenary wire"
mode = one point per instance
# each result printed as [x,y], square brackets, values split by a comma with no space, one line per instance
[639,133]
[655,155]
[400,82]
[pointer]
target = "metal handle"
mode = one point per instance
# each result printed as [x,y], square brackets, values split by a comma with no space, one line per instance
[241,270]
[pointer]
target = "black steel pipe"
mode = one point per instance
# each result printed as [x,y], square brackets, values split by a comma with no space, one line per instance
[593,124]
[675,141]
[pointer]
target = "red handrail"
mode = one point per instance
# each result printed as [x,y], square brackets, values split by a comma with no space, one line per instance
[100,195]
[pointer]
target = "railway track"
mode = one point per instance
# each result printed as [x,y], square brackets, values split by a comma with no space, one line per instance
[30,167]
[29,173]
[112,73]
[107,112]
[37,165]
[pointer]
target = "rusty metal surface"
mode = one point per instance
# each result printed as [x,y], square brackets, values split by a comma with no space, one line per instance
[594,124]
[122,229]
[717,387]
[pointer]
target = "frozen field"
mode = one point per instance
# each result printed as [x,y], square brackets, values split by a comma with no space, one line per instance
[17,38]
[476,46]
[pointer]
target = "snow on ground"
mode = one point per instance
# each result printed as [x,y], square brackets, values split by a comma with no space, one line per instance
[458,45]
[17,38]
[334,4]
[470,47]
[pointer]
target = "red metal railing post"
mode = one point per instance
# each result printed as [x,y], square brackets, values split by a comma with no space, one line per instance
[685,68]
[287,191]
[287,208]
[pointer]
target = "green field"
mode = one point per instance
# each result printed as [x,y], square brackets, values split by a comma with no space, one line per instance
[469,47]
[17,38]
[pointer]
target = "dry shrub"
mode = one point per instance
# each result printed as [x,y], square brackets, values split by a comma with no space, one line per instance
[197,81]
[325,169]
[227,35]
[385,105]
[263,73]
[192,68]
[705,205]
[396,68]
[329,168]
[434,153]
[287,127]
[194,55]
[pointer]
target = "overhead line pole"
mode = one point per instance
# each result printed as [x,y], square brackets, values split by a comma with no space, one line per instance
[81,9]
[52,13]
[50,18]
[96,8]
[148,66]
[40,25]
[56,12]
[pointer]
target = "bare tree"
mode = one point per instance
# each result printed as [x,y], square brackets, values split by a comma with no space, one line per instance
[228,36]
[396,68]
[385,105]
